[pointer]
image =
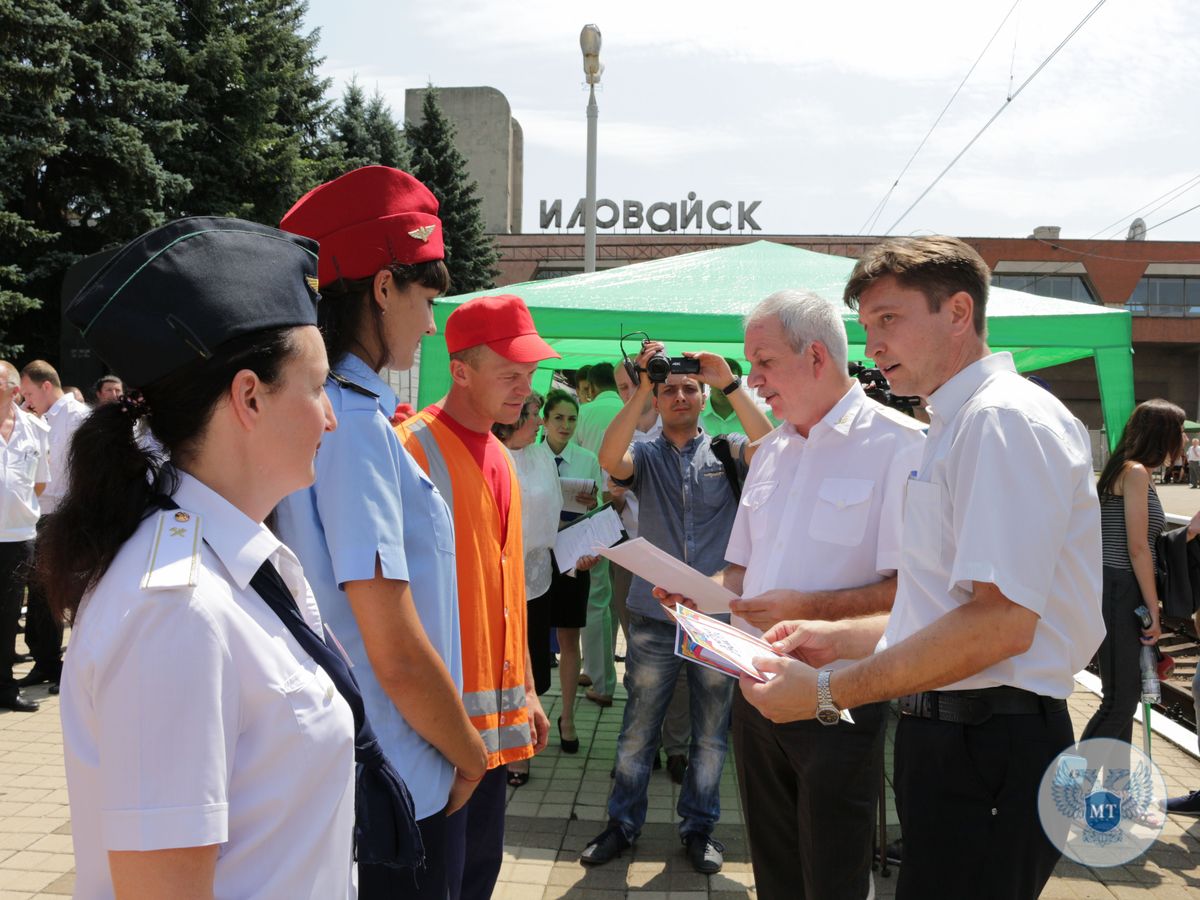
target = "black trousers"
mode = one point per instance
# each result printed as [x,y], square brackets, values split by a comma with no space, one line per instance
[475,840]
[1119,658]
[810,793]
[43,633]
[14,567]
[537,628]
[967,799]
[427,883]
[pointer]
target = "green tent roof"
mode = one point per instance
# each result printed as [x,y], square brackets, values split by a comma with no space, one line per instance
[696,301]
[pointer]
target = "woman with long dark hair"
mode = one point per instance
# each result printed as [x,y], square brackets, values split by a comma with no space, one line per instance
[215,745]
[375,536]
[1131,518]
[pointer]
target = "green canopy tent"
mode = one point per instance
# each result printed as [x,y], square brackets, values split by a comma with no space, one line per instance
[696,301]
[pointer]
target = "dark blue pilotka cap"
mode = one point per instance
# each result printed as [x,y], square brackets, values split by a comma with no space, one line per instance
[177,293]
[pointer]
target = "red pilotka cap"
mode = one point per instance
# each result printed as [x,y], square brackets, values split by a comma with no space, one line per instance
[366,220]
[502,323]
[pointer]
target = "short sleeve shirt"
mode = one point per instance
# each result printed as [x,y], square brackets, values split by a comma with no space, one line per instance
[24,464]
[685,507]
[824,512]
[1005,494]
[371,501]
[64,417]
[594,419]
[191,717]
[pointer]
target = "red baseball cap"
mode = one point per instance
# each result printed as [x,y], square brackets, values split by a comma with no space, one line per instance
[502,323]
[367,219]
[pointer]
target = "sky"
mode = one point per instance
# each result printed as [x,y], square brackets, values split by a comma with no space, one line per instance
[814,109]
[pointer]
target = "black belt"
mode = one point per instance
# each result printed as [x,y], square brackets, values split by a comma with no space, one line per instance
[976,707]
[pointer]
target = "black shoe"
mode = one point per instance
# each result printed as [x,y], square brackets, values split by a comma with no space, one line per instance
[38,675]
[604,847]
[53,689]
[676,765]
[706,854]
[571,746]
[18,702]
[1187,805]
[895,852]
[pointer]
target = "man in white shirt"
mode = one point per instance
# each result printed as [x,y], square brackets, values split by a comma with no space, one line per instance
[24,447]
[998,589]
[817,536]
[1193,461]
[63,414]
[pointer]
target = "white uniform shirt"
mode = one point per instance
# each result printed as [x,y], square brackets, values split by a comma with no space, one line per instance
[541,505]
[824,513]
[24,462]
[66,415]
[192,717]
[1005,494]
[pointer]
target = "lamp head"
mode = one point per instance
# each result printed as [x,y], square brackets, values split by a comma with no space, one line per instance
[589,43]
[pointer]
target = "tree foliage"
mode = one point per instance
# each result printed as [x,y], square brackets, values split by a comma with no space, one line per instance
[366,131]
[471,254]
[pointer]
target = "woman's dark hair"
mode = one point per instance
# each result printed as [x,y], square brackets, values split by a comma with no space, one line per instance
[112,479]
[1154,433]
[346,306]
[557,396]
[504,432]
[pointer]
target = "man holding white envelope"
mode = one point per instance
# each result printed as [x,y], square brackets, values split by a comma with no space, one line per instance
[820,513]
[687,508]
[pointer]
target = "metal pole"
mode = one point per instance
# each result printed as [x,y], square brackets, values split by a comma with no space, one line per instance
[589,206]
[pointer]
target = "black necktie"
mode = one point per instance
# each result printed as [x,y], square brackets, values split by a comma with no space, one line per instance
[385,825]
[558,462]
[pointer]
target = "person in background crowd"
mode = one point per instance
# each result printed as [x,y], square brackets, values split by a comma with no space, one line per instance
[569,591]
[74,392]
[1131,519]
[583,387]
[494,350]
[826,486]
[598,648]
[43,394]
[1193,461]
[108,389]
[1178,462]
[995,607]
[719,416]
[686,508]
[25,448]
[374,535]
[208,731]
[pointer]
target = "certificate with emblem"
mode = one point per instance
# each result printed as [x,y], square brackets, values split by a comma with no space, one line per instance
[712,643]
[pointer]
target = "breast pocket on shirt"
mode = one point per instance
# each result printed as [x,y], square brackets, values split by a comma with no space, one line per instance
[921,540]
[24,466]
[841,511]
[312,695]
[440,512]
[714,485]
[754,499]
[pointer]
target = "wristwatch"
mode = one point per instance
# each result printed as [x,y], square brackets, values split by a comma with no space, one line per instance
[827,711]
[732,386]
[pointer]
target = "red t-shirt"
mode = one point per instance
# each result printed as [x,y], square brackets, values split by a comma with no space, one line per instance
[487,451]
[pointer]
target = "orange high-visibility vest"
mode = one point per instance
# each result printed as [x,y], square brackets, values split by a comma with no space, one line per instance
[491,587]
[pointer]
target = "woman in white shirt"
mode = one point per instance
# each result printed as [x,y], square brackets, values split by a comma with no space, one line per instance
[209,731]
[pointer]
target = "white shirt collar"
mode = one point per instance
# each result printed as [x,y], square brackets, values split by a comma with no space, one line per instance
[241,544]
[946,401]
[839,419]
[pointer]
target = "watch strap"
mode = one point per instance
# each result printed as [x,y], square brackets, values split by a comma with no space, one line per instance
[732,386]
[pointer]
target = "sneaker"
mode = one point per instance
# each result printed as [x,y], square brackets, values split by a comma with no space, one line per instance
[705,854]
[676,765]
[605,847]
[1187,805]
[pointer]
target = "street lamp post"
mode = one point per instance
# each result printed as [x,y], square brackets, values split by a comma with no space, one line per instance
[589,43]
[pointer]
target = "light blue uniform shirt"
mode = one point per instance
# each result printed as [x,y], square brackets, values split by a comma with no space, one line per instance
[372,499]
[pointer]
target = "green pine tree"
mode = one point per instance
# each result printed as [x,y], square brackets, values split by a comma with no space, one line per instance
[34,83]
[387,135]
[471,254]
[262,121]
[368,134]
[102,180]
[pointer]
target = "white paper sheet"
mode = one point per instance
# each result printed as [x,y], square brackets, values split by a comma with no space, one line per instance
[586,537]
[573,486]
[663,570]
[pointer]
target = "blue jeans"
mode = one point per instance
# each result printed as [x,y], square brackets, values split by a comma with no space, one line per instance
[651,668]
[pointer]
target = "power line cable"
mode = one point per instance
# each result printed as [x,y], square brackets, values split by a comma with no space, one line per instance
[996,115]
[874,215]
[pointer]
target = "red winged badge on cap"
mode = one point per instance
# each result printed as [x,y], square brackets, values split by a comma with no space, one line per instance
[422,233]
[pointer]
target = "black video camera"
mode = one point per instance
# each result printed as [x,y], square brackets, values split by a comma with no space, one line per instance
[659,367]
[876,386]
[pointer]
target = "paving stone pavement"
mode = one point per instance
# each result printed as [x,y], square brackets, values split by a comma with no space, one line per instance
[551,818]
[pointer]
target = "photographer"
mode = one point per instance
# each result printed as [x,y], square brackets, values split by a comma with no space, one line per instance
[687,509]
